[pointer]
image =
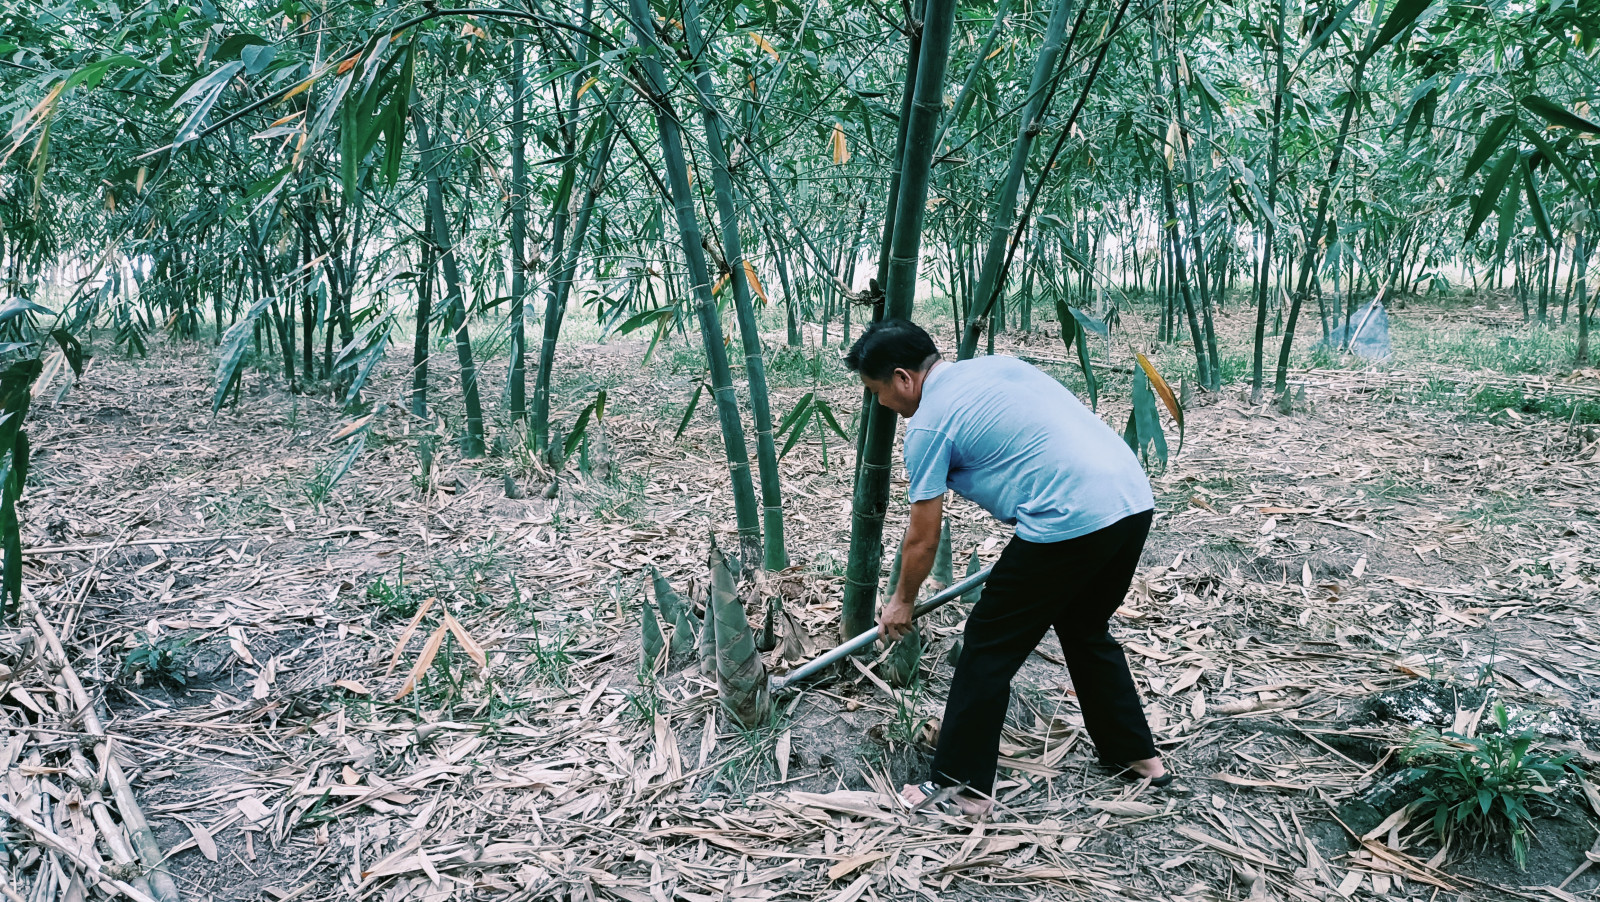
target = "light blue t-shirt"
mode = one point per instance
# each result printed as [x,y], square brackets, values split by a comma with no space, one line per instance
[1005,435]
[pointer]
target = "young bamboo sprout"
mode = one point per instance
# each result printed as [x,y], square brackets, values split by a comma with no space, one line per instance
[973,566]
[767,639]
[708,642]
[654,641]
[796,642]
[741,677]
[900,667]
[943,567]
[682,633]
[669,601]
[953,656]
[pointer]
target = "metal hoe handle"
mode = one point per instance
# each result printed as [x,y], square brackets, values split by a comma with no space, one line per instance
[867,638]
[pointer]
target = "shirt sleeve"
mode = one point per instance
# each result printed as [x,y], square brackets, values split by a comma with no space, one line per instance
[927,463]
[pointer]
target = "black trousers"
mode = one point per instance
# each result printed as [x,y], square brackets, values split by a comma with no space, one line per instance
[1074,586]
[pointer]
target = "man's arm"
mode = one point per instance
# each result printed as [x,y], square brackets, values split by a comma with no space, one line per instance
[916,559]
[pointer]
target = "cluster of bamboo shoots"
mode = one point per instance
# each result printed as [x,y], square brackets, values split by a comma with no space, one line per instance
[727,647]
[900,667]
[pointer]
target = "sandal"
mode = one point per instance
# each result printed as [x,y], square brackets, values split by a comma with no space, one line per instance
[1123,772]
[943,800]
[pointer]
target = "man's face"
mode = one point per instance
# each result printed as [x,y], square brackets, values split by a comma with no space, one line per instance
[901,391]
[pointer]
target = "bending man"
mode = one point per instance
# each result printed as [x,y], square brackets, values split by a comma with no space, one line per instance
[1007,436]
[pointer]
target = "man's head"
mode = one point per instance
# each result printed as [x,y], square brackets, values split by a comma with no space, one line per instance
[893,358]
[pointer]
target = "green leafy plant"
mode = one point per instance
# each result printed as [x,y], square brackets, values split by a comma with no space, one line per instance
[551,659]
[161,662]
[392,599]
[1483,786]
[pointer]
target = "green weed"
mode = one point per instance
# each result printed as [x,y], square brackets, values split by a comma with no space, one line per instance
[624,496]
[159,662]
[1527,349]
[645,703]
[552,661]
[1567,408]
[1234,368]
[1483,787]
[392,599]
[755,759]
[906,725]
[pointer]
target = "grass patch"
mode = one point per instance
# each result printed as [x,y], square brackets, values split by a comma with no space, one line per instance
[1525,349]
[1494,399]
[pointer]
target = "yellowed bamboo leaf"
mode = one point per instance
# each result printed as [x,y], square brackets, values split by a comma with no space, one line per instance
[352,428]
[1162,389]
[406,634]
[583,88]
[762,43]
[301,87]
[755,283]
[841,150]
[996,52]
[717,288]
[424,661]
[468,644]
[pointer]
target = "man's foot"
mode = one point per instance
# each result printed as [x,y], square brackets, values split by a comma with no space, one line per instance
[945,799]
[1146,769]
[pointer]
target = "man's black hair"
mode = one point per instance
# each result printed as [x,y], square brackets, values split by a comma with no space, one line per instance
[889,345]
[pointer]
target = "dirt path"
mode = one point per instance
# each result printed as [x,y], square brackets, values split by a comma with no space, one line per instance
[1316,583]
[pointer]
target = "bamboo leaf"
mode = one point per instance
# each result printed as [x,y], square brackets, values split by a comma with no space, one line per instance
[1332,28]
[1556,114]
[1508,221]
[582,426]
[71,348]
[357,445]
[234,343]
[1485,202]
[1553,157]
[1167,398]
[796,413]
[824,408]
[764,45]
[424,661]
[207,90]
[1493,137]
[1400,18]
[1151,440]
[468,644]
[1536,205]
[1091,382]
[694,401]
[755,283]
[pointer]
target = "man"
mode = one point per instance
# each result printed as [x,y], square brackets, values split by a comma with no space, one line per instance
[1007,436]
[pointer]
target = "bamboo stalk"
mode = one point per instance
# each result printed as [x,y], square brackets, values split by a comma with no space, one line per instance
[1040,93]
[776,554]
[455,299]
[871,496]
[670,129]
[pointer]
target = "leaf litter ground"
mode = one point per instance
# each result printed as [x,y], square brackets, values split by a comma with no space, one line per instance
[1317,585]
